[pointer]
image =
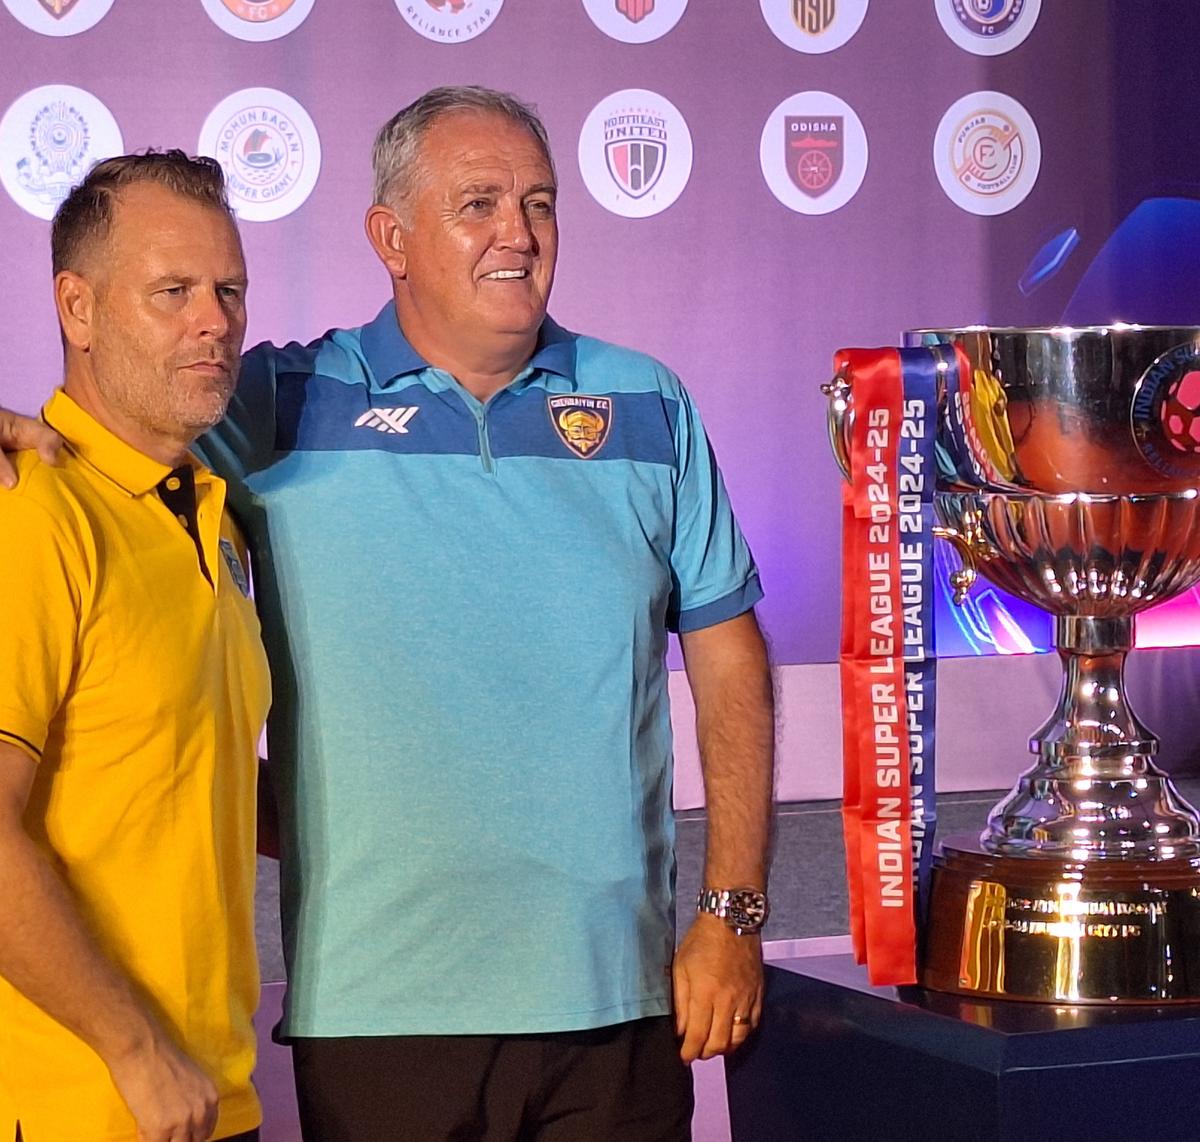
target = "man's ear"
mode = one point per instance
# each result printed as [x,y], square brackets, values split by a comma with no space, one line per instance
[76,302]
[386,233]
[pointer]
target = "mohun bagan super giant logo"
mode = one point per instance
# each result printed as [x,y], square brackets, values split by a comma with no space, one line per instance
[814,152]
[635,153]
[269,149]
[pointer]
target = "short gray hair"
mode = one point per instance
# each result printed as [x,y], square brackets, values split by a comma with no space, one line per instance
[396,153]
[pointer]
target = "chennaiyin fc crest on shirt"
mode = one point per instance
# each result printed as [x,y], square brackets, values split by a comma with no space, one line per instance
[582,423]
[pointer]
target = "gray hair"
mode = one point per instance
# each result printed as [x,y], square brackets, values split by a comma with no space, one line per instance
[396,154]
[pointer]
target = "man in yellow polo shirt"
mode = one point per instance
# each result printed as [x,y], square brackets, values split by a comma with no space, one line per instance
[133,688]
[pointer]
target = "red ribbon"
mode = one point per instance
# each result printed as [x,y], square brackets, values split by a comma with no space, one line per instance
[877,812]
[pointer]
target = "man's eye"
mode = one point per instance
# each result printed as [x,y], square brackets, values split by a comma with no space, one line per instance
[542,208]
[233,293]
[174,291]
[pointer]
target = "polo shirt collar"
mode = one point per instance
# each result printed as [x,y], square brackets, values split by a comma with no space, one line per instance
[389,354]
[124,465]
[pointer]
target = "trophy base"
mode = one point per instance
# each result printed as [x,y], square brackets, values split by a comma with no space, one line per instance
[1051,930]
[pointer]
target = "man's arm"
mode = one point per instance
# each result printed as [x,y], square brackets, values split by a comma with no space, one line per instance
[717,973]
[17,432]
[47,954]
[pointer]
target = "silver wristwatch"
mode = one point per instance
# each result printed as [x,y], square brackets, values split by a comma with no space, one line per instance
[743,909]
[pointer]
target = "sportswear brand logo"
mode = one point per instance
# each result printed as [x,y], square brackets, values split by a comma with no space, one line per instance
[392,421]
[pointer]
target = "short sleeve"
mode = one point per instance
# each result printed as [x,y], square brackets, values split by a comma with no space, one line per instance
[713,576]
[244,442]
[40,607]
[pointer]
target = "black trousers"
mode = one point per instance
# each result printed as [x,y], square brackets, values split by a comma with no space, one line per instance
[624,1083]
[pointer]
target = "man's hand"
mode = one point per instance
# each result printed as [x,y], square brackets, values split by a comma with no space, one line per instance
[17,432]
[717,975]
[170,1098]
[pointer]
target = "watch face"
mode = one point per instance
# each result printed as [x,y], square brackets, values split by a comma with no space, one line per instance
[747,909]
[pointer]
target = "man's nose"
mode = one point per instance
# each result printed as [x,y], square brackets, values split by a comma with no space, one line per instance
[211,314]
[513,229]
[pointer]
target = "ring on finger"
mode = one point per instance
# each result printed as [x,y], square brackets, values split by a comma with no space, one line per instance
[740,1019]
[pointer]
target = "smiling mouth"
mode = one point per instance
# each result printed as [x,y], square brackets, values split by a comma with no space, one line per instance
[506,275]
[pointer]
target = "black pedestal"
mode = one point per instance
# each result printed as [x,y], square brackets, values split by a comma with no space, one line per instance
[836,1060]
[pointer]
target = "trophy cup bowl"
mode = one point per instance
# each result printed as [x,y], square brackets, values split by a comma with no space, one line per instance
[1068,474]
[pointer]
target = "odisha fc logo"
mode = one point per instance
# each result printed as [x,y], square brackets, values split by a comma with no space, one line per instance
[814,16]
[635,150]
[813,151]
[59,142]
[988,17]
[1166,412]
[635,10]
[582,423]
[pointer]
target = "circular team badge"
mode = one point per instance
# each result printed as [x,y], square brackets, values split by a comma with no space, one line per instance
[635,21]
[635,153]
[59,17]
[50,138]
[1166,413]
[988,27]
[269,149]
[450,21]
[257,20]
[814,26]
[813,152]
[987,153]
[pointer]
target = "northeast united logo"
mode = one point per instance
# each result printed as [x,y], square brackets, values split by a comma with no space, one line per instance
[258,20]
[987,153]
[269,149]
[1166,413]
[814,26]
[450,21]
[635,21]
[59,17]
[49,139]
[635,153]
[988,27]
[582,423]
[813,152]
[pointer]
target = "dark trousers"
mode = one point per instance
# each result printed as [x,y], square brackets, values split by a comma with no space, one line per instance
[613,1084]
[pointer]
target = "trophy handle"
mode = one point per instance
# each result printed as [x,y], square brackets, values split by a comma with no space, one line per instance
[839,392]
[972,547]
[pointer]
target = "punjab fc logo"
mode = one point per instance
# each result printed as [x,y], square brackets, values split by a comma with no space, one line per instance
[635,153]
[813,152]
[59,17]
[449,21]
[258,20]
[988,27]
[269,149]
[987,153]
[814,16]
[582,423]
[814,26]
[635,21]
[50,138]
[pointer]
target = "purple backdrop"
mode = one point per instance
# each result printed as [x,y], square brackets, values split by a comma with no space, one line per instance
[743,296]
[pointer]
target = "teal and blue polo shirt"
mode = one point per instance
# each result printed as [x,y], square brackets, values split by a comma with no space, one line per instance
[466,606]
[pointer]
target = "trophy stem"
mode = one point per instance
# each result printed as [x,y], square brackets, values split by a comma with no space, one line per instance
[1094,791]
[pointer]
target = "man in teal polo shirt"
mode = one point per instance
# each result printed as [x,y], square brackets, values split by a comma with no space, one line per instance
[474,530]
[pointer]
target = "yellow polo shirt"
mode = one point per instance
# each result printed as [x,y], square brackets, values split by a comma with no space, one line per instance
[140,688]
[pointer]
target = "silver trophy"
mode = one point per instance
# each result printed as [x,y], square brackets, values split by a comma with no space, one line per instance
[1069,469]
